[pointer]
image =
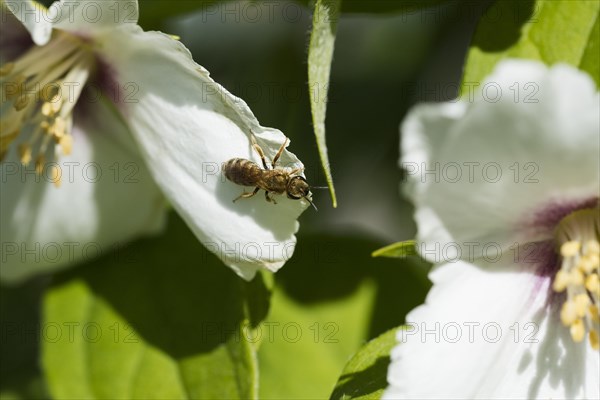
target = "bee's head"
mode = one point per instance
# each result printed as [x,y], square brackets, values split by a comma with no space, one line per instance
[297,188]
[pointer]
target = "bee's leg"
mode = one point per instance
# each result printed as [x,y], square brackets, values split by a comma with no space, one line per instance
[258,149]
[279,152]
[296,170]
[246,195]
[269,198]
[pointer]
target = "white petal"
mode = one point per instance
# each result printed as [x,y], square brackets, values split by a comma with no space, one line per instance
[106,198]
[187,126]
[87,17]
[33,16]
[546,152]
[487,333]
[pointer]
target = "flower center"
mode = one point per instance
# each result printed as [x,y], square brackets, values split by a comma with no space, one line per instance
[578,237]
[39,91]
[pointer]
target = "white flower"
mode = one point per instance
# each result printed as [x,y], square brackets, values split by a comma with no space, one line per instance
[161,126]
[506,192]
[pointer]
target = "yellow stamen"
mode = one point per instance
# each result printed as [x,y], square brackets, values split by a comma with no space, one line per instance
[594,340]
[577,331]
[568,313]
[593,310]
[47,110]
[592,284]
[561,281]
[570,249]
[594,259]
[39,164]
[66,143]
[581,304]
[36,99]
[45,126]
[578,277]
[586,264]
[56,103]
[59,128]
[592,247]
[25,153]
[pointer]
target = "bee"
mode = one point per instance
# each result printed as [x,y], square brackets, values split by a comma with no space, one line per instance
[276,179]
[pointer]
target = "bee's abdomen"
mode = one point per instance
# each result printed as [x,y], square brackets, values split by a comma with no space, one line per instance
[242,172]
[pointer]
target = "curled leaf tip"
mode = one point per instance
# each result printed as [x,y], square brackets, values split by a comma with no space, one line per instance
[320,55]
[397,250]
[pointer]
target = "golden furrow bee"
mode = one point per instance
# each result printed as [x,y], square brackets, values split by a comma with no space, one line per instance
[277,180]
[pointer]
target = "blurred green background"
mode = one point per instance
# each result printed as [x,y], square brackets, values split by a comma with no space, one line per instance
[332,291]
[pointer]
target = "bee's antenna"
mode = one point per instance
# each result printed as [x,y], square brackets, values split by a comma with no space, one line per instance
[311,203]
[319,187]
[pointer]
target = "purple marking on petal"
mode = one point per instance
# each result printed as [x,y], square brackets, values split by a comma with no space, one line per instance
[101,85]
[544,260]
[106,81]
[545,219]
[542,257]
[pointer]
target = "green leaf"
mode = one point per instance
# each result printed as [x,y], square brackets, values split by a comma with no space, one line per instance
[162,318]
[20,377]
[310,343]
[22,386]
[550,31]
[340,297]
[364,377]
[397,250]
[320,55]
[590,61]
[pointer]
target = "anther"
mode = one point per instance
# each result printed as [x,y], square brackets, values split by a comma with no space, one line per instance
[39,164]
[25,154]
[577,331]
[570,249]
[66,143]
